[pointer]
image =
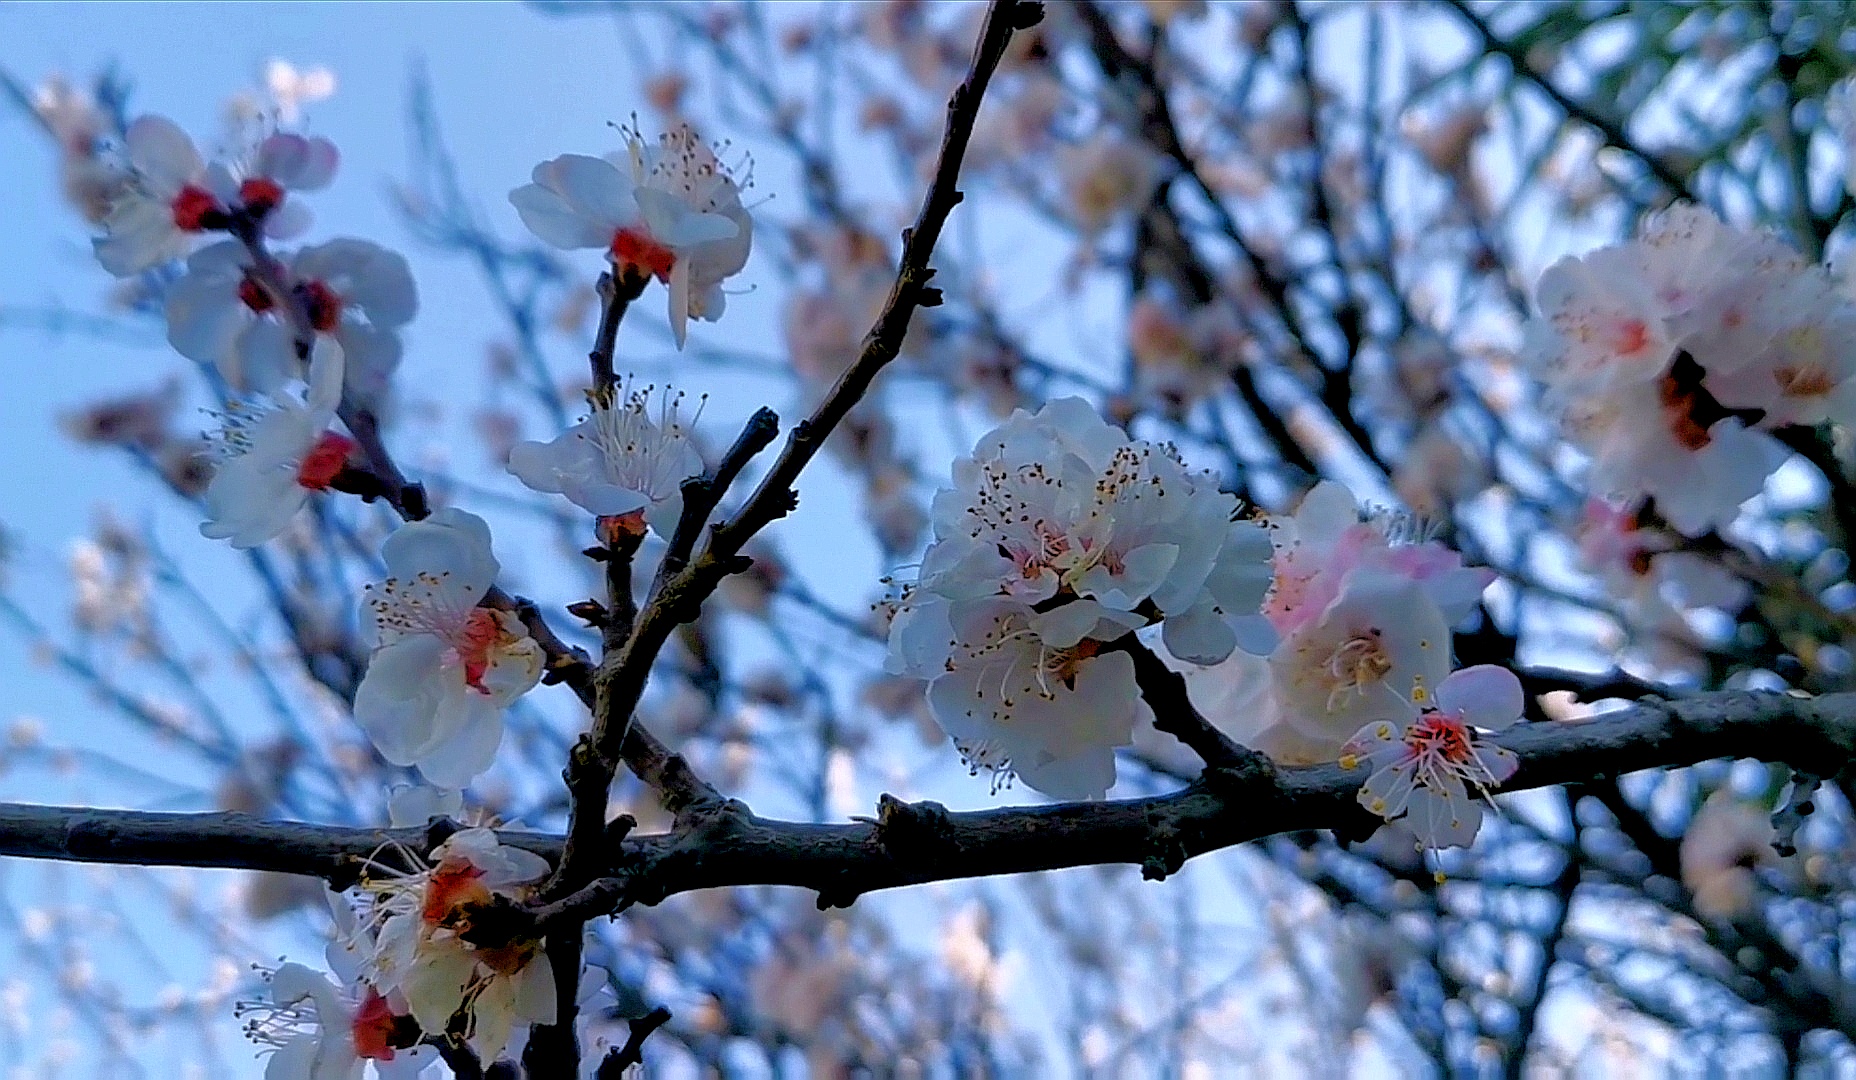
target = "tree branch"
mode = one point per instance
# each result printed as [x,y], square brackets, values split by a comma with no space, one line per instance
[917,843]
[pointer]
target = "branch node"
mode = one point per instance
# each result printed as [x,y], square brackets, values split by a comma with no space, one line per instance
[913,830]
[1168,855]
[591,612]
[438,830]
[1027,14]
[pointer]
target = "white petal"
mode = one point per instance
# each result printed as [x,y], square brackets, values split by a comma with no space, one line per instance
[680,300]
[555,222]
[1085,775]
[291,219]
[163,152]
[416,804]
[1488,696]
[451,542]
[592,186]
[1443,820]
[1200,636]
[396,701]
[470,750]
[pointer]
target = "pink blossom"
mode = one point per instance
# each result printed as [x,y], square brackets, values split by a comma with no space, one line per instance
[1426,769]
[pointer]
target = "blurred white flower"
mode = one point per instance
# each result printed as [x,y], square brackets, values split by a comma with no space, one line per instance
[173,194]
[292,87]
[272,457]
[1726,843]
[1718,334]
[356,292]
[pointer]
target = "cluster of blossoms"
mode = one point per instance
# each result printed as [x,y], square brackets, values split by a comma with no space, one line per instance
[247,312]
[293,337]
[170,195]
[419,947]
[1361,612]
[323,1028]
[406,973]
[1060,537]
[671,212]
[1361,665]
[228,313]
[1720,334]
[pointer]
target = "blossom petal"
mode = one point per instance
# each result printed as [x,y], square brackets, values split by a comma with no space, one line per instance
[160,150]
[452,543]
[555,222]
[471,748]
[1487,696]
[395,703]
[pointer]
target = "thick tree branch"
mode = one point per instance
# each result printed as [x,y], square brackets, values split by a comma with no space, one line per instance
[916,843]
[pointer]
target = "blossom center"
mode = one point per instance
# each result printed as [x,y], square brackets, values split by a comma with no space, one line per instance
[1065,663]
[1357,662]
[255,296]
[1632,337]
[1437,734]
[637,249]
[260,194]
[480,634]
[1803,380]
[325,461]
[374,1027]
[191,206]
[1679,403]
[453,884]
[324,305]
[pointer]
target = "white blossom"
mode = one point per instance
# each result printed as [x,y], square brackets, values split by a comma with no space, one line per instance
[443,669]
[1020,699]
[1427,769]
[622,459]
[272,458]
[360,294]
[320,1029]
[421,952]
[174,194]
[671,211]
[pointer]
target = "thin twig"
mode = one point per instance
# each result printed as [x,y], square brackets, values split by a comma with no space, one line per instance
[632,1053]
